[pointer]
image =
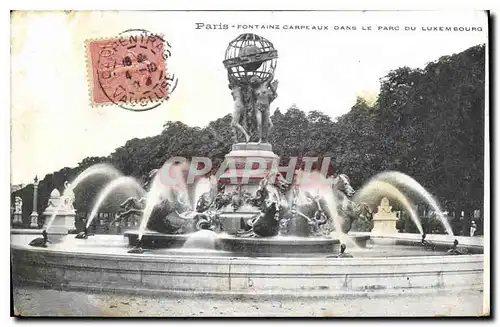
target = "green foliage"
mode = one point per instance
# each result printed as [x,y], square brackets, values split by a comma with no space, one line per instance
[427,123]
[430,224]
[362,225]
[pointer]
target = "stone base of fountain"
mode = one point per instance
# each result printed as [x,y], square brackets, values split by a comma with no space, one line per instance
[18,219]
[250,246]
[34,220]
[101,264]
[64,222]
[384,221]
[249,163]
[232,222]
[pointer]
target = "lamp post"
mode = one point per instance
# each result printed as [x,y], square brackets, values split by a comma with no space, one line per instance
[34,214]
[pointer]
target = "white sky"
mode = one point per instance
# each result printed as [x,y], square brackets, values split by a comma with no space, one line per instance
[54,126]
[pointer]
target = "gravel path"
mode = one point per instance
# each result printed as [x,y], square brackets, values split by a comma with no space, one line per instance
[41,302]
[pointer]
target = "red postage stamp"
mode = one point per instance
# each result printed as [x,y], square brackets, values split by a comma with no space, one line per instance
[129,71]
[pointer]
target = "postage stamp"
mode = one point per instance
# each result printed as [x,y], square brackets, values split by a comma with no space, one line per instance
[130,70]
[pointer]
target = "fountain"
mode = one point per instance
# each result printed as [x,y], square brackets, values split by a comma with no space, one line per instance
[124,182]
[251,228]
[60,213]
[376,187]
[120,182]
[60,210]
[406,181]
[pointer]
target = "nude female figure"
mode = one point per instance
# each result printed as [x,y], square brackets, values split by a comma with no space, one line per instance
[238,109]
[265,93]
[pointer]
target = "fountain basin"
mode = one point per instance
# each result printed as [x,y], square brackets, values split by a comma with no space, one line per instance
[255,246]
[55,234]
[102,264]
[441,242]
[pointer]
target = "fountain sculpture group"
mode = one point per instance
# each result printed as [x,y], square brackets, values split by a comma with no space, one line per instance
[59,216]
[206,238]
[245,200]
[251,198]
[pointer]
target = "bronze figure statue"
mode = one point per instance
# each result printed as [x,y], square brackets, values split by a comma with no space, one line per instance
[133,209]
[348,210]
[251,108]
[238,110]
[342,253]
[41,242]
[250,62]
[265,93]
[455,250]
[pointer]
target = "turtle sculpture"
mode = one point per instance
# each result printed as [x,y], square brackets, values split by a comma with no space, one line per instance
[41,242]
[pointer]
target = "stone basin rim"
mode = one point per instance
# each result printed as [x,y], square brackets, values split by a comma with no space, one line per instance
[298,277]
[320,261]
[263,240]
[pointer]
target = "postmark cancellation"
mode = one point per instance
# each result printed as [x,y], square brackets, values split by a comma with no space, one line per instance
[129,70]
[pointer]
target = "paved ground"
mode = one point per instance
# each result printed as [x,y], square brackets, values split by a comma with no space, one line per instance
[38,302]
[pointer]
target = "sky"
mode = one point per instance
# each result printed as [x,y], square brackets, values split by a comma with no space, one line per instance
[53,124]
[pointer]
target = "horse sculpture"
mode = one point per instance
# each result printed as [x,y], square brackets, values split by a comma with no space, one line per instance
[286,217]
[347,209]
[169,216]
[304,215]
[176,217]
[284,208]
[133,209]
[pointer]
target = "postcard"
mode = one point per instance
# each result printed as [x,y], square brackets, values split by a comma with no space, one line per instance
[250,164]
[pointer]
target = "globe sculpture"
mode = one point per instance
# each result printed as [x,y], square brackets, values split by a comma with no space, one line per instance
[250,198]
[250,55]
[250,62]
[253,227]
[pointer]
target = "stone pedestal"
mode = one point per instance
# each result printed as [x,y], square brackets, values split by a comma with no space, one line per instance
[18,212]
[384,221]
[34,220]
[65,214]
[18,219]
[247,164]
[34,214]
[63,223]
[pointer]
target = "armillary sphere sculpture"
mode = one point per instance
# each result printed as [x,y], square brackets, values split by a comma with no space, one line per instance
[250,62]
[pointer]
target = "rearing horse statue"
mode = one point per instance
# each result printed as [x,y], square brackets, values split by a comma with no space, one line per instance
[346,208]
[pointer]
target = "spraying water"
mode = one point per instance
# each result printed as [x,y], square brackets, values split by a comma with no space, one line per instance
[273,193]
[94,170]
[125,182]
[316,184]
[309,182]
[202,239]
[155,194]
[173,183]
[97,169]
[168,183]
[405,180]
[204,185]
[375,188]
[54,214]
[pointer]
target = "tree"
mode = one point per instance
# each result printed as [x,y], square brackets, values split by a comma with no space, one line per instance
[427,123]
